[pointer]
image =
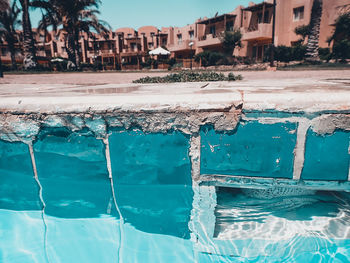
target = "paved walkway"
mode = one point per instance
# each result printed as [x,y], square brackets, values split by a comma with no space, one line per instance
[127,77]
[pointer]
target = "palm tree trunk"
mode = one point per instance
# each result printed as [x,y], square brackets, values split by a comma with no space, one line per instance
[70,47]
[1,72]
[315,23]
[3,6]
[30,60]
[13,54]
[77,49]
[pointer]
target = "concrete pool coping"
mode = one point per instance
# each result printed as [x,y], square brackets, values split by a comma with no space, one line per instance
[287,95]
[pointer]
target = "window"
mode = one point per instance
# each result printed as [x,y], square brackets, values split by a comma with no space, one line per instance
[4,51]
[254,52]
[164,41]
[266,17]
[229,26]
[259,18]
[191,33]
[179,38]
[298,13]
[129,35]
[150,45]
[212,30]
[152,34]
[133,46]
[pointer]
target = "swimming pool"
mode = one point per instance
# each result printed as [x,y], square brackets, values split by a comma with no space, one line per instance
[72,210]
[166,183]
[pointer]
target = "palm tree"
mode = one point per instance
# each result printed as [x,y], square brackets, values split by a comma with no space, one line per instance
[8,23]
[231,40]
[4,4]
[73,17]
[29,50]
[314,31]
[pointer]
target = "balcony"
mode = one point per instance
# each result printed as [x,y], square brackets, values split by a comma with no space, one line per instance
[100,52]
[260,31]
[209,40]
[182,45]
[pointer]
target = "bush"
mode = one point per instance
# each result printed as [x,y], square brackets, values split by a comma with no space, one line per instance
[210,58]
[171,61]
[189,76]
[287,54]
[325,53]
[86,66]
[341,49]
[298,52]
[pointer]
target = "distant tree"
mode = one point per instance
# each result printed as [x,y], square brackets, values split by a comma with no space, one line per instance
[341,37]
[4,4]
[72,17]
[302,31]
[9,22]
[314,34]
[230,40]
[29,50]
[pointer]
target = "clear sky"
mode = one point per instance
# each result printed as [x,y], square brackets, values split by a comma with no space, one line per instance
[136,13]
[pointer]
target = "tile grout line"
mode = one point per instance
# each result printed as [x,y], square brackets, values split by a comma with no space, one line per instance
[110,176]
[299,150]
[35,171]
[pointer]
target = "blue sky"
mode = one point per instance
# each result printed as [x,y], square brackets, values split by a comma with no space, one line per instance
[136,13]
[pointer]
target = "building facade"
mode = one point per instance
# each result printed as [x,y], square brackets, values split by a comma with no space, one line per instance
[127,48]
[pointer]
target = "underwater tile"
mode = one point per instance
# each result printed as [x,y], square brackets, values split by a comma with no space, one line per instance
[152,181]
[73,172]
[254,149]
[139,158]
[18,188]
[326,157]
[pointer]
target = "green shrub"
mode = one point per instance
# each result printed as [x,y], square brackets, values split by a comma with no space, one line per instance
[171,61]
[325,53]
[341,49]
[189,76]
[287,54]
[298,52]
[210,58]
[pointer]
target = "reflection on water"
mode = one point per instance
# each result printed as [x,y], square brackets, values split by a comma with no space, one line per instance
[295,228]
[150,211]
[299,228]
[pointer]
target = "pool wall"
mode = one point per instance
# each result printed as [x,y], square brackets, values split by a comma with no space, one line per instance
[261,134]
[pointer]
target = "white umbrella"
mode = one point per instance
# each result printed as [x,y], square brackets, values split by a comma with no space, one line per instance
[57,60]
[159,51]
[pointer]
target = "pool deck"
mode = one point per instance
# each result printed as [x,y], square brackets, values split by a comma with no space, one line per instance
[306,95]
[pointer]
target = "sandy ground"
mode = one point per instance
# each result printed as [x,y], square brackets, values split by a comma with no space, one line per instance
[127,77]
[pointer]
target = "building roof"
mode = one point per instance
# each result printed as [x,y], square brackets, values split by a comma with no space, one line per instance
[257,7]
[216,19]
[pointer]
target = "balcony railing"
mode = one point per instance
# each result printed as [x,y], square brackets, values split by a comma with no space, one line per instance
[210,39]
[182,45]
[258,31]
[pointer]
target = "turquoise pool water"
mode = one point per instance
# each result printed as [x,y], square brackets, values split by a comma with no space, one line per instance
[149,210]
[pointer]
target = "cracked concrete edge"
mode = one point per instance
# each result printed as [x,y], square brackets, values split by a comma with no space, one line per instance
[195,156]
[299,150]
[328,123]
[25,128]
